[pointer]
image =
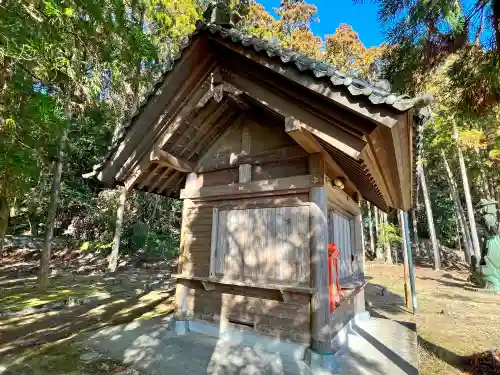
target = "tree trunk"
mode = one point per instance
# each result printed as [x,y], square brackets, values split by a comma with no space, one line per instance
[113,257]
[458,209]
[416,240]
[483,181]
[43,276]
[430,219]
[468,200]
[4,220]
[387,244]
[370,228]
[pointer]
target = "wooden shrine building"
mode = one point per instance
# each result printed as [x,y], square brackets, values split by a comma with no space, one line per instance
[270,152]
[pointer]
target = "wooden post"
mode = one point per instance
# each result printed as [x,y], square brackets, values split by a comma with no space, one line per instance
[182,291]
[406,261]
[320,315]
[245,170]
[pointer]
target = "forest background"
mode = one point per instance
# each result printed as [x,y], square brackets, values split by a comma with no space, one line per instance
[72,72]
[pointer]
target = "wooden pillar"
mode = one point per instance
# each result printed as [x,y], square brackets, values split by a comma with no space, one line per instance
[245,170]
[182,291]
[320,314]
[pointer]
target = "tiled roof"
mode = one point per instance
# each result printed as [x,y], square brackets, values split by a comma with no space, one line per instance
[378,93]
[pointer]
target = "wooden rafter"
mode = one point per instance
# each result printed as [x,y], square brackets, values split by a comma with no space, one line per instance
[159,179]
[164,158]
[147,126]
[350,143]
[382,116]
[371,163]
[146,181]
[306,140]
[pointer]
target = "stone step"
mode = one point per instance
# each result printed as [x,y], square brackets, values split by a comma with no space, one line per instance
[378,347]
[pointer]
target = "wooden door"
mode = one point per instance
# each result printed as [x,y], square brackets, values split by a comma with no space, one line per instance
[270,244]
[341,233]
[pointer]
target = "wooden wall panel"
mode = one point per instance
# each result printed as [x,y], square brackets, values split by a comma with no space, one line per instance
[265,137]
[197,229]
[232,142]
[340,233]
[278,170]
[254,312]
[198,233]
[264,244]
[215,178]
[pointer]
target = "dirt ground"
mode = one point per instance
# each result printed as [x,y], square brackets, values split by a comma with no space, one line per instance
[452,322]
[40,332]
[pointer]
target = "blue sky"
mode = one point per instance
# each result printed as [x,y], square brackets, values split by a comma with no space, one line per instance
[362,17]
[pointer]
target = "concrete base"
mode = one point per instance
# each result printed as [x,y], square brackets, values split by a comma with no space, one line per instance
[242,338]
[181,327]
[373,347]
[341,338]
[322,362]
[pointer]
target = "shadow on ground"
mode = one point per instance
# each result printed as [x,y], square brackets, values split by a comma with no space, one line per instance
[72,306]
[382,303]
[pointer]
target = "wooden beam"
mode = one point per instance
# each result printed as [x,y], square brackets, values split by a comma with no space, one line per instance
[332,141]
[294,129]
[133,178]
[164,158]
[167,182]
[159,179]
[151,122]
[341,200]
[170,123]
[149,177]
[282,106]
[213,241]
[182,291]
[245,170]
[202,129]
[303,137]
[287,183]
[228,160]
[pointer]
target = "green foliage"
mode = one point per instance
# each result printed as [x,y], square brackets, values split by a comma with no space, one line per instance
[424,34]
[97,58]
[388,235]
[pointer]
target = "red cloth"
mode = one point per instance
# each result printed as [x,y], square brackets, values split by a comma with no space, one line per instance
[333,260]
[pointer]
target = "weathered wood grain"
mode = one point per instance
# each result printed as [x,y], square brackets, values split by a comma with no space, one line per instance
[278,184]
[320,316]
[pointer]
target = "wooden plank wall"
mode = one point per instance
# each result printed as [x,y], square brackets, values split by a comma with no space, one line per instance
[257,310]
[340,232]
[264,244]
[254,311]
